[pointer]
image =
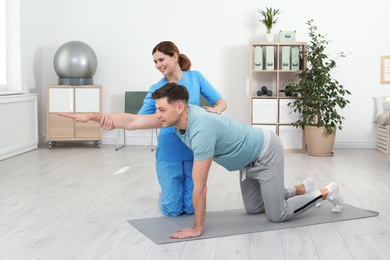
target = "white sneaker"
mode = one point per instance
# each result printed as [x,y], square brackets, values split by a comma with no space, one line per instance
[334,196]
[310,187]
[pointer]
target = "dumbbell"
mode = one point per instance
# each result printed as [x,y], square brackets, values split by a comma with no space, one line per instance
[264,91]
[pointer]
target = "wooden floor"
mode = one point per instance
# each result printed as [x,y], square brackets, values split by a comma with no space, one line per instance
[73,202]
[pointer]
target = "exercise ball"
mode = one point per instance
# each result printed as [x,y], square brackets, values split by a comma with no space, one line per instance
[75,63]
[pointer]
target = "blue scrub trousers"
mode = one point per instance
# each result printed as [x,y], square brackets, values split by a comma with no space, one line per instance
[175,179]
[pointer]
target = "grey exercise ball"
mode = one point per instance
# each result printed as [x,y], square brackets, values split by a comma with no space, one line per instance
[75,63]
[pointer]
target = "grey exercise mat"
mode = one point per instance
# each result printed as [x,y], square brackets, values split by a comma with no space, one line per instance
[236,222]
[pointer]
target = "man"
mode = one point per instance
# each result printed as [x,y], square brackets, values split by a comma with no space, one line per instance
[256,153]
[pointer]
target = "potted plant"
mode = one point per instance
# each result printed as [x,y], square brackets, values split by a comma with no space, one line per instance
[318,96]
[269,20]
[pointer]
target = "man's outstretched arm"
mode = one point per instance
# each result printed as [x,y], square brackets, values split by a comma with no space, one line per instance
[122,121]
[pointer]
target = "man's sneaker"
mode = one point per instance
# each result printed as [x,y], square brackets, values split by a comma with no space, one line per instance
[334,196]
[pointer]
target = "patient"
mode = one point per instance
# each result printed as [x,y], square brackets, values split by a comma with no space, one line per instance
[257,154]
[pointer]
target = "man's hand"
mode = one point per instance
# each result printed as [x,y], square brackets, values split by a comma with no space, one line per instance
[105,121]
[186,233]
[77,117]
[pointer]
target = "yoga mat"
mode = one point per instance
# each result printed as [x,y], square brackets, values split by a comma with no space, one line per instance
[236,222]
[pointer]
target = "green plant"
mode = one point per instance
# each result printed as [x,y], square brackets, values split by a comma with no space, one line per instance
[318,94]
[269,18]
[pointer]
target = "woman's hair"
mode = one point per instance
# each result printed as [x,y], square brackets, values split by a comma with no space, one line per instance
[174,92]
[169,48]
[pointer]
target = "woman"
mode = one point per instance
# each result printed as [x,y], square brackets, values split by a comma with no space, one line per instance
[174,160]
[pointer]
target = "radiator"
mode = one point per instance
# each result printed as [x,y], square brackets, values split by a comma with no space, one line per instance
[18,124]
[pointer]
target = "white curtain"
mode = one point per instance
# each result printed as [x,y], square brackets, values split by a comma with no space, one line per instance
[3,40]
[10,75]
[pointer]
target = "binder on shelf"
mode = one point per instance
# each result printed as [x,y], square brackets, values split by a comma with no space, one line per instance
[286,57]
[295,51]
[258,58]
[287,36]
[270,57]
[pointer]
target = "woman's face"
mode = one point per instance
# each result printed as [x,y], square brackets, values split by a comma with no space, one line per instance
[165,63]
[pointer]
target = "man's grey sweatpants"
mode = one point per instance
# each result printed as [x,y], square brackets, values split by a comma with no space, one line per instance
[262,185]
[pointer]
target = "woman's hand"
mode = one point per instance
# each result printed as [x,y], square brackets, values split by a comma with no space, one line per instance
[219,106]
[107,123]
[212,109]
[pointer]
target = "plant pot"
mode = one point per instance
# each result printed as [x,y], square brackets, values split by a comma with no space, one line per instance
[318,142]
[270,37]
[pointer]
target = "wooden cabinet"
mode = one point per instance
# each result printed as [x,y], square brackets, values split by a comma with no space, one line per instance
[72,99]
[275,65]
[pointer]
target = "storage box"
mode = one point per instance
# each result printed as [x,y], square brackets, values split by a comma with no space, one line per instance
[382,139]
[264,111]
[272,128]
[287,36]
[286,113]
[291,137]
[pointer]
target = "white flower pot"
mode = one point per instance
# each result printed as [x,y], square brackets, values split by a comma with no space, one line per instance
[270,37]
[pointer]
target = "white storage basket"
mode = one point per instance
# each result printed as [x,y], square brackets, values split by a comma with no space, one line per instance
[382,139]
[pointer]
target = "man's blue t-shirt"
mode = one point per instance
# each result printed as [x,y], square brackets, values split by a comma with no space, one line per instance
[170,147]
[232,144]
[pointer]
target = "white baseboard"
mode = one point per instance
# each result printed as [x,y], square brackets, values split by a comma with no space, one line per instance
[13,151]
[355,145]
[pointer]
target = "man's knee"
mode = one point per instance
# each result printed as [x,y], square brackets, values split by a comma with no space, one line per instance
[275,218]
[254,211]
[252,208]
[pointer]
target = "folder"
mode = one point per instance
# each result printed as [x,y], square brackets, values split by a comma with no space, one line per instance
[258,58]
[286,57]
[295,57]
[270,57]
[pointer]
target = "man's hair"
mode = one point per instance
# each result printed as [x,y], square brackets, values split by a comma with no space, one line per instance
[173,92]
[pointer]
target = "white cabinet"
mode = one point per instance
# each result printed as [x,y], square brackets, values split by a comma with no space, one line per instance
[275,65]
[72,99]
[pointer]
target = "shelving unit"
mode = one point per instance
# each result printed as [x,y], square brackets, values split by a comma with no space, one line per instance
[275,65]
[72,99]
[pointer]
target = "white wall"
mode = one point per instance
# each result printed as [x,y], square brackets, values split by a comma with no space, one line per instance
[215,35]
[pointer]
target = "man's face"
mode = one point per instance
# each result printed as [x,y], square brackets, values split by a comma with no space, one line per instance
[168,114]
